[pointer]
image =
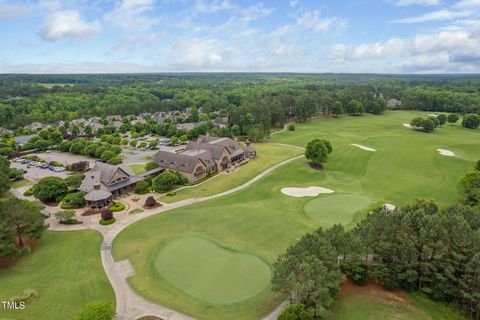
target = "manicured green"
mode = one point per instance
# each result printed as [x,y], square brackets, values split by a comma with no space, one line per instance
[66,271]
[337,208]
[365,305]
[267,155]
[216,275]
[137,168]
[263,221]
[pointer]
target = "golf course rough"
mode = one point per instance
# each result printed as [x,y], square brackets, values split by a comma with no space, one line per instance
[216,275]
[338,208]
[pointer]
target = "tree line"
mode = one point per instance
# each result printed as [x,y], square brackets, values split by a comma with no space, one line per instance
[269,99]
[415,247]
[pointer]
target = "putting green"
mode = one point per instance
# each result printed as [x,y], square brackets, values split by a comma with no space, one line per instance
[209,272]
[339,208]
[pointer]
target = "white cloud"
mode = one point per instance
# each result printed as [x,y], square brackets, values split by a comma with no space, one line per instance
[293,3]
[196,53]
[313,20]
[467,4]
[132,15]
[214,6]
[13,11]
[404,3]
[442,51]
[440,15]
[68,24]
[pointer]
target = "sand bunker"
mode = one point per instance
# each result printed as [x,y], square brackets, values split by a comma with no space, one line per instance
[445,152]
[389,207]
[305,192]
[363,147]
[407,125]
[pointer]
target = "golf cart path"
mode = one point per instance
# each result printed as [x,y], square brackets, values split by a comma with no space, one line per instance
[129,304]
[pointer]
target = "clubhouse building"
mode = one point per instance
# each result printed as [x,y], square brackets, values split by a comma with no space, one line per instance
[204,156]
[104,182]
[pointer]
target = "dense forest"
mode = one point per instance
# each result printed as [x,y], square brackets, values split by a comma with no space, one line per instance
[270,98]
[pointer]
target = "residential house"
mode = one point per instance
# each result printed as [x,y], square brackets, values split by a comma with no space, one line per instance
[22,140]
[117,124]
[206,155]
[36,126]
[220,122]
[394,103]
[114,118]
[4,130]
[94,120]
[78,123]
[138,120]
[59,123]
[95,126]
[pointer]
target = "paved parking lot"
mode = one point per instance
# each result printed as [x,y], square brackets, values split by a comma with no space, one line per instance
[64,157]
[35,174]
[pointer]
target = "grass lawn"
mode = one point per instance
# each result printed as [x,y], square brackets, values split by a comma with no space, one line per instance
[262,221]
[209,272]
[337,208]
[21,183]
[137,168]
[66,271]
[267,156]
[372,304]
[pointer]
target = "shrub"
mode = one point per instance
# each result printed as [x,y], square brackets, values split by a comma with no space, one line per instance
[96,311]
[117,206]
[452,118]
[60,197]
[65,216]
[151,165]
[29,192]
[66,206]
[170,194]
[55,164]
[104,222]
[80,166]
[74,180]
[150,202]
[471,121]
[291,127]
[165,181]
[442,119]
[142,187]
[106,214]
[107,155]
[296,312]
[115,161]
[75,200]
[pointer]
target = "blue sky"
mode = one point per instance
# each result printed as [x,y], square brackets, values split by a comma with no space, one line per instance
[383,36]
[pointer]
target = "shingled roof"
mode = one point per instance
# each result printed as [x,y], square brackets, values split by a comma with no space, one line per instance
[101,175]
[177,161]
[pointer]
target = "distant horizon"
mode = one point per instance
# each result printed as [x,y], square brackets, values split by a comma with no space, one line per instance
[287,36]
[246,72]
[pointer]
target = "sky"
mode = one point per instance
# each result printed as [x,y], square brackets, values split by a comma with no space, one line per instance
[117,36]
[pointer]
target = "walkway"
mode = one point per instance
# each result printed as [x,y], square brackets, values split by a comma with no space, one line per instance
[129,304]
